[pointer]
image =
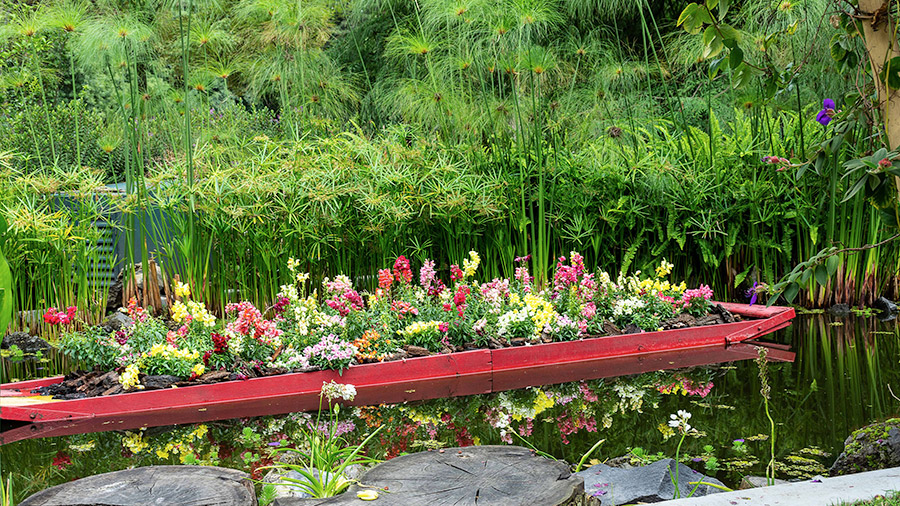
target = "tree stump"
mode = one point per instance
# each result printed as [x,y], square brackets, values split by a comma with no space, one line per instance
[482,475]
[153,485]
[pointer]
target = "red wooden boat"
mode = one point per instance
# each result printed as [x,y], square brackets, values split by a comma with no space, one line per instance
[24,416]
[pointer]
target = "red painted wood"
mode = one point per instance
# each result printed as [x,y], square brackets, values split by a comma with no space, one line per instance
[437,376]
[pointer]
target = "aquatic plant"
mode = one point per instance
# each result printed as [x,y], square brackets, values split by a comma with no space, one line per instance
[322,459]
[765,390]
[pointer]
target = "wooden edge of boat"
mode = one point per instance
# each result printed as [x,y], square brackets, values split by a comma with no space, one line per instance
[436,376]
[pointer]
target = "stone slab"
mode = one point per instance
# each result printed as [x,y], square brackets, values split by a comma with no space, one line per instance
[825,492]
[647,484]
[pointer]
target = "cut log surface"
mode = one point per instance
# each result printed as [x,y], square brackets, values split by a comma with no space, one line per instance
[154,485]
[475,475]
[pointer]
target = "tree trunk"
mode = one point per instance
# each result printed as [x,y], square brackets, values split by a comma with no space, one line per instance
[881,46]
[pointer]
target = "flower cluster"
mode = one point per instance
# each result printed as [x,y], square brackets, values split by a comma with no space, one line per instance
[250,323]
[304,330]
[679,421]
[54,317]
[333,391]
[329,353]
[192,312]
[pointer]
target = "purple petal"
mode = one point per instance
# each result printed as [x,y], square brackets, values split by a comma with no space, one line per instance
[828,104]
[753,298]
[823,117]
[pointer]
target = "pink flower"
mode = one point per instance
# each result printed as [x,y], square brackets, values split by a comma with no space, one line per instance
[589,311]
[456,273]
[250,322]
[427,274]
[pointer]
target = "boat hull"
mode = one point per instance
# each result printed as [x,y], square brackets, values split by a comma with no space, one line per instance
[436,376]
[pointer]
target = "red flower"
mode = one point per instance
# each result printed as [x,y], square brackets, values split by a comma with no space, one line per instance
[61,460]
[456,273]
[402,270]
[54,317]
[385,278]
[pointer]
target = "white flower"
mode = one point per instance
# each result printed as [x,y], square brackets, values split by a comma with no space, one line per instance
[332,391]
[680,421]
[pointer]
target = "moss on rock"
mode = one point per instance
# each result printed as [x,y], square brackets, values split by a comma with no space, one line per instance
[873,447]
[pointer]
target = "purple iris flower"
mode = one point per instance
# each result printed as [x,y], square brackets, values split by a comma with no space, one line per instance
[753,295]
[824,116]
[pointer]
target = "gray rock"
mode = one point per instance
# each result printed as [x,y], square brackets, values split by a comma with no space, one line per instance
[646,484]
[27,343]
[870,448]
[116,321]
[840,310]
[757,481]
[884,305]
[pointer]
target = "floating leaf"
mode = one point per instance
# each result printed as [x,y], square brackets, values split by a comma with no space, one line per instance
[367,495]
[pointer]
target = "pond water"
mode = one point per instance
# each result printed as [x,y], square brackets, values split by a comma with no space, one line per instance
[844,376]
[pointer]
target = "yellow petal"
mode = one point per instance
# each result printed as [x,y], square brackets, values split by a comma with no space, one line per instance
[367,495]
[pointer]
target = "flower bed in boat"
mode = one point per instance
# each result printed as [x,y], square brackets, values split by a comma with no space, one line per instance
[305,330]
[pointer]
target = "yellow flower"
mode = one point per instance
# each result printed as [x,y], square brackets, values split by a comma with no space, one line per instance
[129,379]
[542,402]
[182,290]
[198,369]
[664,269]
[134,442]
[199,313]
[162,454]
[200,431]
[476,441]
[420,327]
[470,265]
[179,311]
[666,431]
[544,314]
[292,264]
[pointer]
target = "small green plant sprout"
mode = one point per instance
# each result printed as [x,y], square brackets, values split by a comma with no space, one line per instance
[14,353]
[266,495]
[587,454]
[739,446]
[711,464]
[249,438]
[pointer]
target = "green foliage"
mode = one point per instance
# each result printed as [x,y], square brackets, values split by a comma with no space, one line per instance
[6,283]
[6,491]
